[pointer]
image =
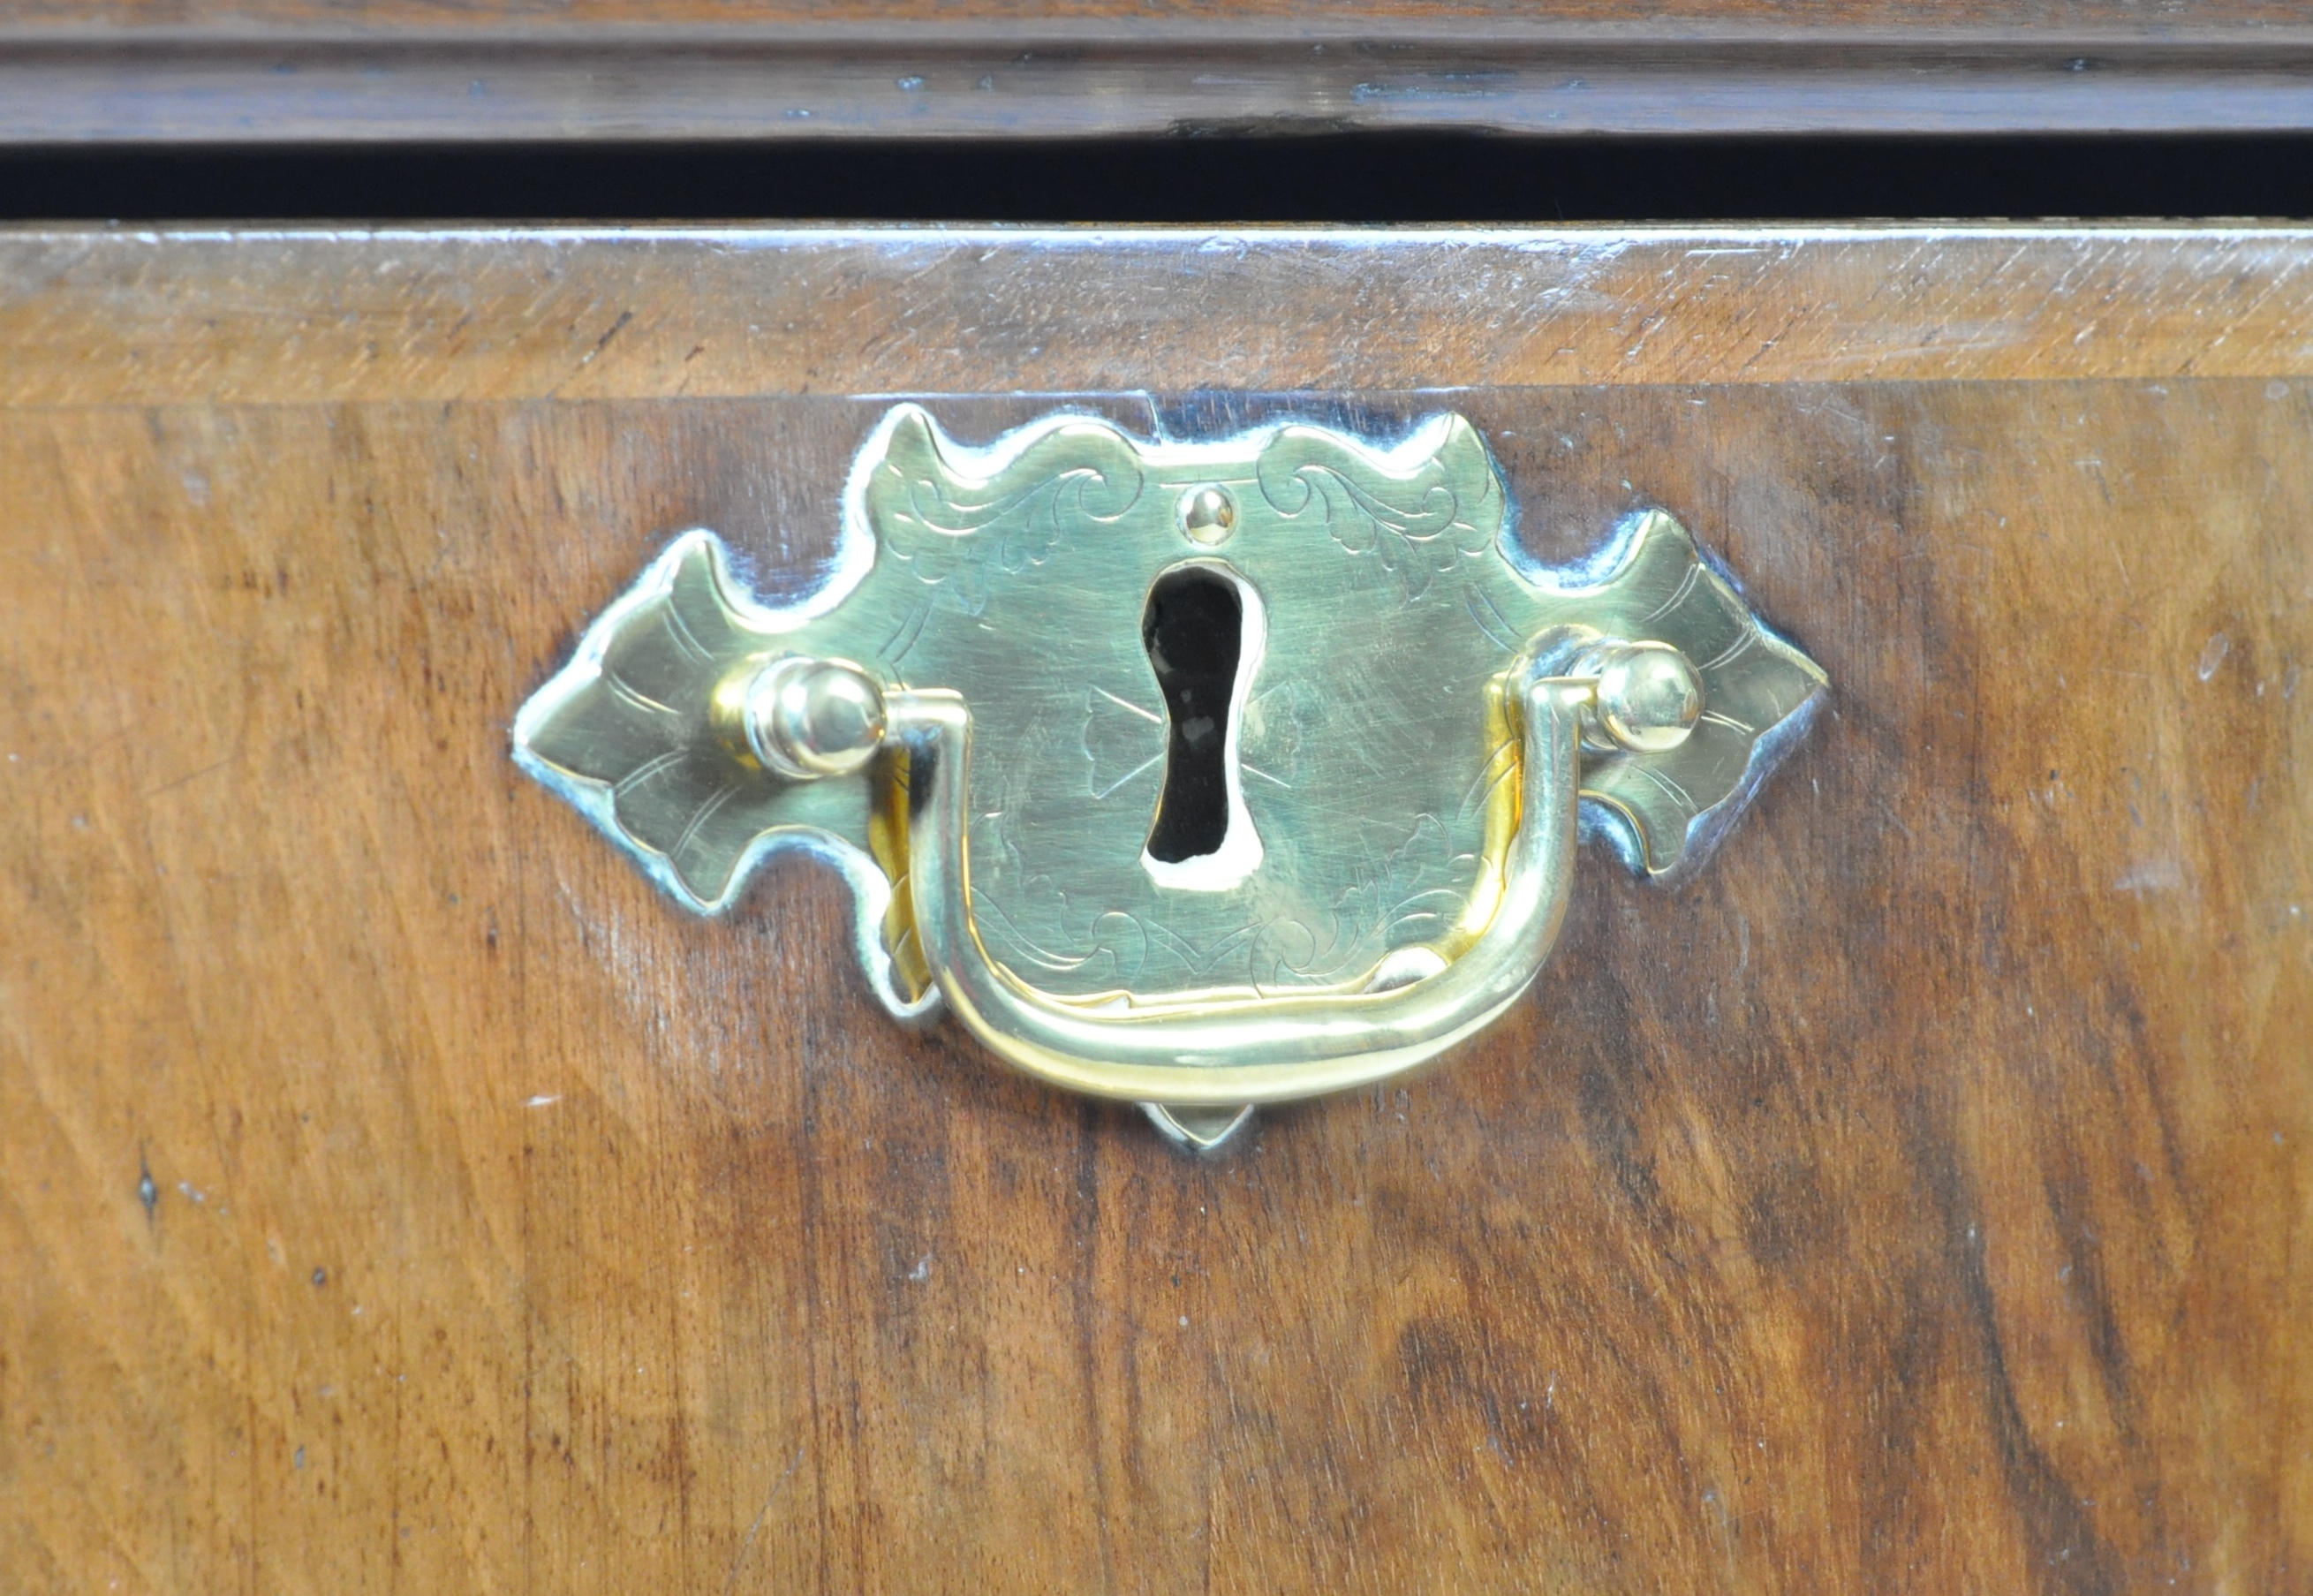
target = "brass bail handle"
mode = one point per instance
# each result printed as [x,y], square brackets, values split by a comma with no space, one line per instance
[810,718]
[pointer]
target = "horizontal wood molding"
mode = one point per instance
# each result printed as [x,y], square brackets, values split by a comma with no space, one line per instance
[97,315]
[304,77]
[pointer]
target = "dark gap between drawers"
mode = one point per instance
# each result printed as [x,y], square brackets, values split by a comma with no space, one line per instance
[1354,177]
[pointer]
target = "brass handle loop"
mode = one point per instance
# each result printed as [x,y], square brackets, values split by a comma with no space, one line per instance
[1238,1050]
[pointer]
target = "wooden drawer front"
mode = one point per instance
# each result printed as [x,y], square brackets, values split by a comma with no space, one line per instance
[398,1191]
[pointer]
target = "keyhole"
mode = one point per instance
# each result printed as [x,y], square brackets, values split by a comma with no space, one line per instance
[1194,630]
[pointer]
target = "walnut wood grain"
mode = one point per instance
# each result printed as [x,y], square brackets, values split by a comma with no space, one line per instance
[396,1191]
[95,315]
[401,70]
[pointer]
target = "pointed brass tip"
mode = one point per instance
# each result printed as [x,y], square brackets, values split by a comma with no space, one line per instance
[1198,1129]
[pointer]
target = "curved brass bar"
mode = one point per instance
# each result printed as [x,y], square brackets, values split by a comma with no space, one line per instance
[1237,1050]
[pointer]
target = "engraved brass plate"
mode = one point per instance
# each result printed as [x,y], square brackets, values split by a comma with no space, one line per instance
[973,710]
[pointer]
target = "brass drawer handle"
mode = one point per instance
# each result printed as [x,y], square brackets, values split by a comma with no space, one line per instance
[1197,775]
[1211,1051]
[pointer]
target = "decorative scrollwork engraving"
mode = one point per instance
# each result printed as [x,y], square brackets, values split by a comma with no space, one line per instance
[1419,525]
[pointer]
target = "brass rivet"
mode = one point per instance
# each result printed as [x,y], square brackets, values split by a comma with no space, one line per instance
[1208,515]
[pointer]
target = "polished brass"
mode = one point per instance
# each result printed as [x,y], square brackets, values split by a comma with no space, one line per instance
[1200,1130]
[1208,515]
[1222,1047]
[1648,698]
[966,720]
[805,717]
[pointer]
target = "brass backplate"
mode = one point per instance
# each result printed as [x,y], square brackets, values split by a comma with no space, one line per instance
[1369,759]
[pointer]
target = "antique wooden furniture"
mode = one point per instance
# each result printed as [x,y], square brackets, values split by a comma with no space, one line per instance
[586,72]
[398,1191]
